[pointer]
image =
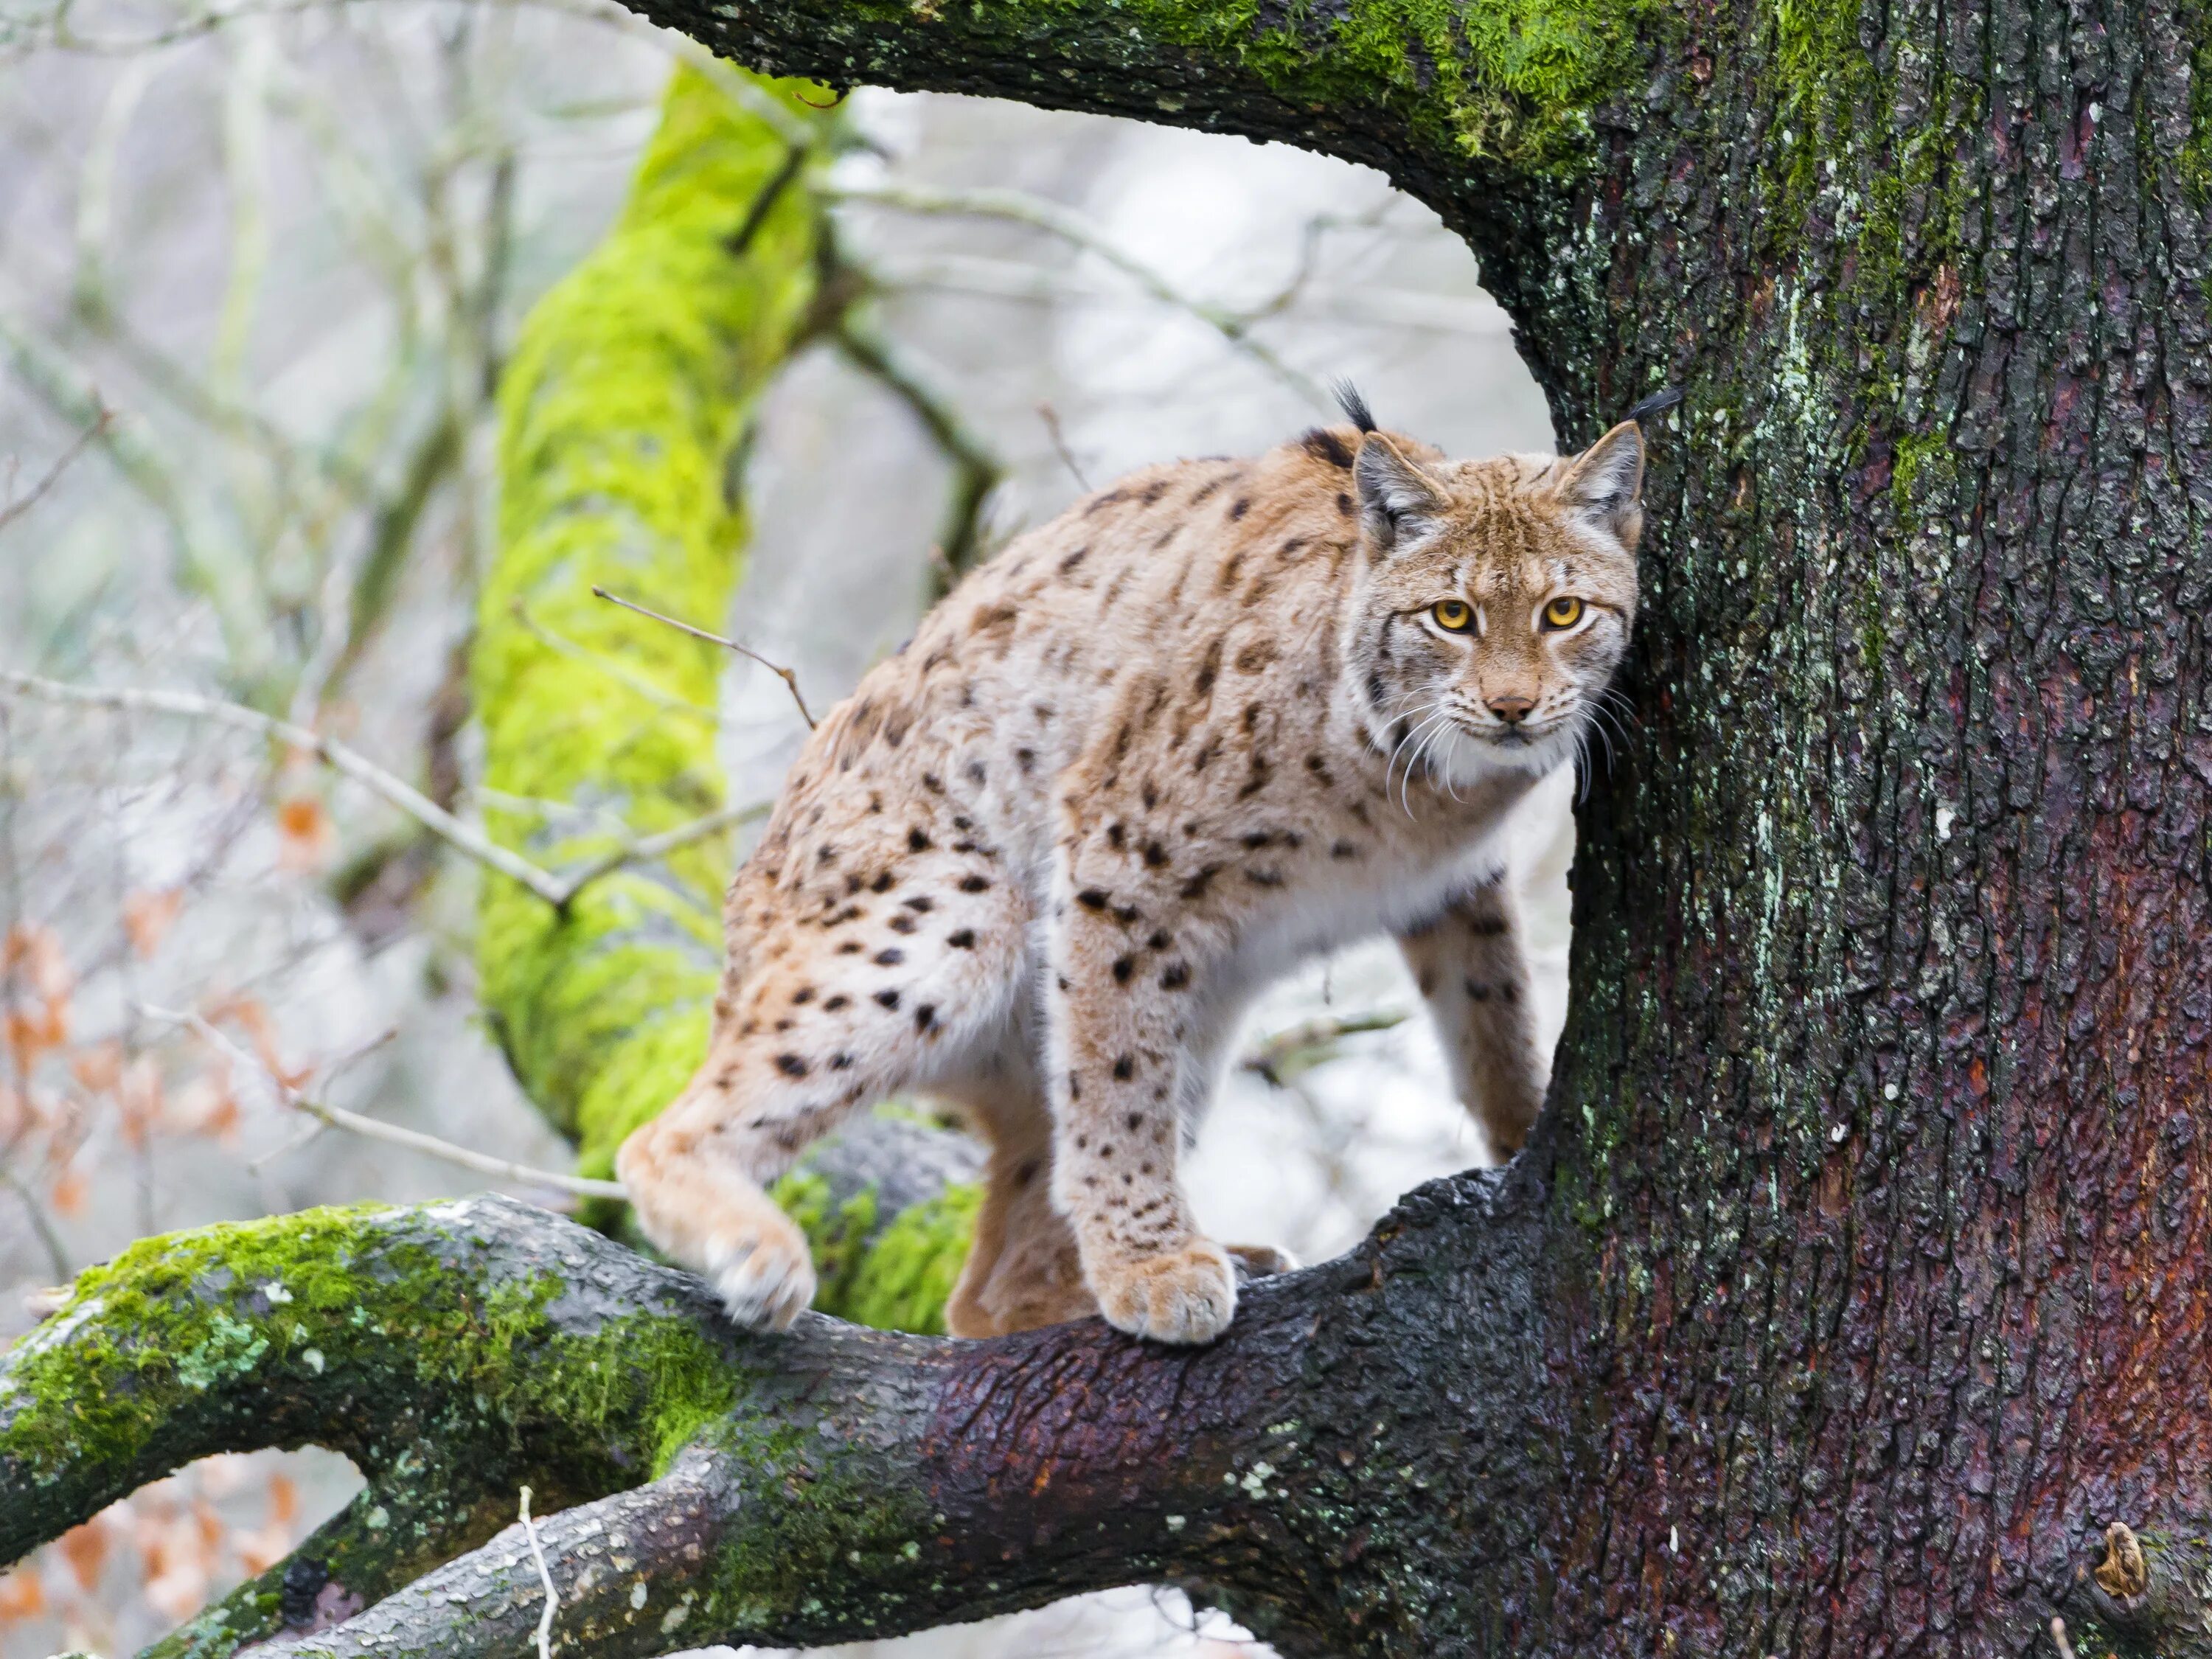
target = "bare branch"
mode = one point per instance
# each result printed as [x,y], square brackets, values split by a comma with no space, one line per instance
[23,504]
[1283,1056]
[976,468]
[635,1561]
[363,770]
[41,1223]
[790,679]
[647,848]
[1373,308]
[369,1129]
[613,669]
[1050,416]
[1073,227]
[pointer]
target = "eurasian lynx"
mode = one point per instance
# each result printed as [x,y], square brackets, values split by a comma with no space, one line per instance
[1221,717]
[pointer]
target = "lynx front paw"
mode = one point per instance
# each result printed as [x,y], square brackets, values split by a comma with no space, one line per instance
[762,1272]
[1180,1296]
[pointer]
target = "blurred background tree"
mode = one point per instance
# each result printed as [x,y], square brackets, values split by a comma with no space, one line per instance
[263,279]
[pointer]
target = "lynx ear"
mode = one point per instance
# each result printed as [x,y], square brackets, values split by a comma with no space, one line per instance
[1394,495]
[1604,484]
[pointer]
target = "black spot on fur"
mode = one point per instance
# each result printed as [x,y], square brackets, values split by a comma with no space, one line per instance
[802,996]
[1123,967]
[840,1000]
[1125,1068]
[882,884]
[791,1065]
[925,1017]
[1477,991]
[1091,898]
[916,841]
[890,957]
[1176,976]
[841,1062]
[974,883]
[1155,854]
[888,998]
[1344,849]
[1326,446]
[963,940]
[1240,507]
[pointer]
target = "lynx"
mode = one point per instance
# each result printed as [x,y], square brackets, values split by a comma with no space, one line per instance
[1215,720]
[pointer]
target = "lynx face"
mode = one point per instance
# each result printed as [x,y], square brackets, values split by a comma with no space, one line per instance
[1495,602]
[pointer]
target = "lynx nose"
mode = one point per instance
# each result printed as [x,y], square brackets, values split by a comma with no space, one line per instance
[1511,708]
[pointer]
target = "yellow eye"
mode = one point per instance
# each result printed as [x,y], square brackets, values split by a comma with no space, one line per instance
[1563,613]
[1456,615]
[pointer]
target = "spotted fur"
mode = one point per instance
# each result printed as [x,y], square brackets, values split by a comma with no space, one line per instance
[1204,725]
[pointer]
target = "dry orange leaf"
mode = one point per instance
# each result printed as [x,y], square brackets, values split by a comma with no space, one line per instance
[69,1193]
[148,917]
[21,1595]
[305,837]
[85,1549]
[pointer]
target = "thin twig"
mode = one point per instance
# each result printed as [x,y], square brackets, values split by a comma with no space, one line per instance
[1050,416]
[2058,1637]
[358,767]
[545,1577]
[646,848]
[613,669]
[1073,227]
[371,1129]
[57,1253]
[1283,1055]
[789,679]
[331,1073]
[23,504]
[977,470]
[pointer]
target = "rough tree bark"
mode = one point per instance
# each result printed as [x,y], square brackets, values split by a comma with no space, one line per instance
[1856,1282]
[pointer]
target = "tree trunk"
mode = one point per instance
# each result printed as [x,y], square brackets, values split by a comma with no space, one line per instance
[1856,1279]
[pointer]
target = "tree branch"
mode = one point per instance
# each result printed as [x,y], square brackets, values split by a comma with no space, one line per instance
[977,469]
[392,1134]
[383,785]
[823,1486]
[1018,208]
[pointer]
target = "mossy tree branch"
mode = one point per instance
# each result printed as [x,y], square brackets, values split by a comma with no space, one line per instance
[624,411]
[829,1485]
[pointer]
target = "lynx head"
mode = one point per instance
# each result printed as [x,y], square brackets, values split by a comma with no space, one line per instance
[1494,600]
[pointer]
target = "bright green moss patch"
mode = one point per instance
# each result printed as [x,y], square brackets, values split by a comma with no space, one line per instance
[909,1273]
[1514,80]
[895,1273]
[621,415]
[346,1322]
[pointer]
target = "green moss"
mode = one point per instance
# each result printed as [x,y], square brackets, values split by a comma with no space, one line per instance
[622,411]
[2194,163]
[353,1307]
[909,1273]
[896,1273]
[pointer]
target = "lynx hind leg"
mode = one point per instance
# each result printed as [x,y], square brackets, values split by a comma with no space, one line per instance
[829,1013]
[1025,1270]
[1474,977]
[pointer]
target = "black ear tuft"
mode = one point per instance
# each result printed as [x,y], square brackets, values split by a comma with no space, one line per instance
[1353,405]
[1657,404]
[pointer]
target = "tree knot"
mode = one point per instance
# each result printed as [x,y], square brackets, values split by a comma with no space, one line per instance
[2121,1574]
